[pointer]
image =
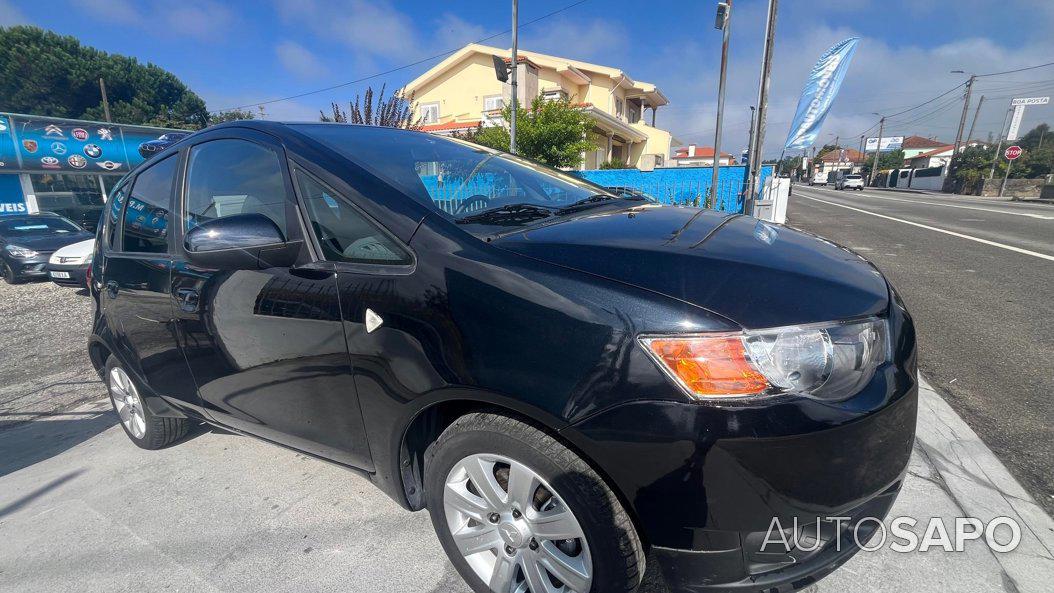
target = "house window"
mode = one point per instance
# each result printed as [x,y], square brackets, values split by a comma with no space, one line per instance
[620,107]
[493,103]
[558,95]
[430,113]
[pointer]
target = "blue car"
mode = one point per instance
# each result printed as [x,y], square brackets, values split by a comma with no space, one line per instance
[151,147]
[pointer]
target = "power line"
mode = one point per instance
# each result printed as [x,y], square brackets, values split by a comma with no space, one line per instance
[403,67]
[1015,71]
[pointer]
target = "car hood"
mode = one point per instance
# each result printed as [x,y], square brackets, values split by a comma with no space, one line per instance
[48,242]
[79,249]
[752,272]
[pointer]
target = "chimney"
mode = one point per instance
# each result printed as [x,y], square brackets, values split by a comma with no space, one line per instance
[691,150]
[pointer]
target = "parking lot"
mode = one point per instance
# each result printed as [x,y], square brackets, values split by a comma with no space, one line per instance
[82,509]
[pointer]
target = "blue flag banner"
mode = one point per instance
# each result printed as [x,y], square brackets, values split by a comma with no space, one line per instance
[818,95]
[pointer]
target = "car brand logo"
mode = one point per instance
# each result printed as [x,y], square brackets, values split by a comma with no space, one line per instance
[49,162]
[79,133]
[29,145]
[77,161]
[58,148]
[53,130]
[105,133]
[92,150]
[109,165]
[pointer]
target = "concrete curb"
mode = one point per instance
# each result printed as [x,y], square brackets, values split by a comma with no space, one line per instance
[982,487]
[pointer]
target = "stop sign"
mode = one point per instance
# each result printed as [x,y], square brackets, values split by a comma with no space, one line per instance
[1012,152]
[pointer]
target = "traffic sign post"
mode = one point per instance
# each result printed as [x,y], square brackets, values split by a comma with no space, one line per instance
[1012,153]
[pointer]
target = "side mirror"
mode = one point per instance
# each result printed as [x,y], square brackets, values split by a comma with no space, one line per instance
[239,242]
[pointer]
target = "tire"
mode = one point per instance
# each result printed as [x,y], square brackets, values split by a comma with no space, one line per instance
[606,542]
[9,275]
[145,429]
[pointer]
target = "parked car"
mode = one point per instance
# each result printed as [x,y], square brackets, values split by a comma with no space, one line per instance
[28,240]
[151,147]
[818,178]
[851,181]
[69,266]
[566,385]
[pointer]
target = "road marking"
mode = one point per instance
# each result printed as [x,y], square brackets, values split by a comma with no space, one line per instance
[939,230]
[1039,216]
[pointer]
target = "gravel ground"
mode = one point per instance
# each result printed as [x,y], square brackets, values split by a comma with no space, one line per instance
[43,353]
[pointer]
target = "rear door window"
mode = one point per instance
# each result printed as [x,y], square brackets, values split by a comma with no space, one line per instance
[149,209]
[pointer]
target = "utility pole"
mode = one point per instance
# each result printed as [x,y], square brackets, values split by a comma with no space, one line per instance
[1009,165]
[966,109]
[515,67]
[862,155]
[723,22]
[757,140]
[999,145]
[975,114]
[878,149]
[954,162]
[105,100]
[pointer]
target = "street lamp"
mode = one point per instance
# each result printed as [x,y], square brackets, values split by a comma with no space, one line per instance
[723,23]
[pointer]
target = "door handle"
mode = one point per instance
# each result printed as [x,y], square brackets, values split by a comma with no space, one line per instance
[188,300]
[111,289]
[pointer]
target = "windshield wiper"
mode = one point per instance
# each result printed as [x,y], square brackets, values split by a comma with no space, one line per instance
[510,214]
[588,202]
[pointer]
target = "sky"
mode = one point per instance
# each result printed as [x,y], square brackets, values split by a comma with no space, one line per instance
[238,53]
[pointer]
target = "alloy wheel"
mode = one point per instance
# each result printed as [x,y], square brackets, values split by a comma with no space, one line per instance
[514,529]
[127,402]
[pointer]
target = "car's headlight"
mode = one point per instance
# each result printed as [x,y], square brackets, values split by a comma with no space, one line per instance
[22,252]
[828,361]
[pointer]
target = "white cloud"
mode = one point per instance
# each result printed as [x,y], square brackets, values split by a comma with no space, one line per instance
[299,61]
[199,19]
[10,16]
[370,28]
[889,74]
[596,40]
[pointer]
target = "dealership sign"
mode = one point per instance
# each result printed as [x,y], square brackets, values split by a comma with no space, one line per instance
[889,144]
[31,143]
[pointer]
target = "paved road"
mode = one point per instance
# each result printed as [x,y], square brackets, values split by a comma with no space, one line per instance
[978,275]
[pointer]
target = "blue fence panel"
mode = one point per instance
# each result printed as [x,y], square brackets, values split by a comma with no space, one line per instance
[680,185]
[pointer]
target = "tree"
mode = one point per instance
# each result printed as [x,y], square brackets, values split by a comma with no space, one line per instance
[1036,161]
[886,160]
[394,112]
[229,115]
[553,132]
[43,73]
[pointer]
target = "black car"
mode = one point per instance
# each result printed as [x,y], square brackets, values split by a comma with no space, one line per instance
[28,240]
[151,147]
[568,380]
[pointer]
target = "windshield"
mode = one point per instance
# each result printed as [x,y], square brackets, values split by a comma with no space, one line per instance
[458,179]
[37,225]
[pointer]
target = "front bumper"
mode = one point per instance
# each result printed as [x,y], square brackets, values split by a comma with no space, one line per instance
[77,274]
[748,564]
[706,482]
[31,267]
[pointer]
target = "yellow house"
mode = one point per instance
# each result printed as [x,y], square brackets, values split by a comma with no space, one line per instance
[462,92]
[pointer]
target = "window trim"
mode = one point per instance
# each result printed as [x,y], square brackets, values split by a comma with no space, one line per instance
[118,247]
[489,97]
[376,269]
[295,230]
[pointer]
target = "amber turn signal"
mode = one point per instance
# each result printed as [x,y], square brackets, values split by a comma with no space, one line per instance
[708,366]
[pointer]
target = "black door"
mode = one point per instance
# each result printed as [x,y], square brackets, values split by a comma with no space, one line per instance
[265,346]
[137,271]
